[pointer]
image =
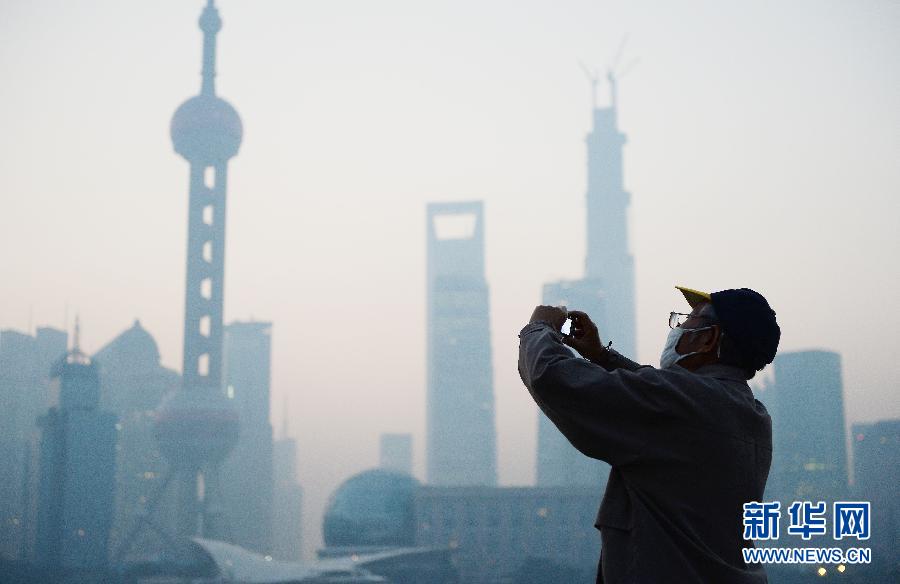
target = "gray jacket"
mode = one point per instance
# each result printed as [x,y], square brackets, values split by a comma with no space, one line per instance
[687,450]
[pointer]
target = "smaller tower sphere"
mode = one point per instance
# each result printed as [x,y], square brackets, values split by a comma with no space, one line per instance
[210,21]
[206,129]
[195,427]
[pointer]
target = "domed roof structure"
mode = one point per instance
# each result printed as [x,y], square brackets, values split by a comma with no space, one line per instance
[373,508]
[206,129]
[134,348]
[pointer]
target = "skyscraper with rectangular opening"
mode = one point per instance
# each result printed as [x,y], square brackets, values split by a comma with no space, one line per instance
[461,439]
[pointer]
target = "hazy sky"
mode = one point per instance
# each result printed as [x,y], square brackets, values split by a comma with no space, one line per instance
[763,148]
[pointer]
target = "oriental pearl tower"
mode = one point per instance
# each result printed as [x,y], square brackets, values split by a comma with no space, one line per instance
[197,426]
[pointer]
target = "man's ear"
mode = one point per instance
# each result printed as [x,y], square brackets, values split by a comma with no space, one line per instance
[711,339]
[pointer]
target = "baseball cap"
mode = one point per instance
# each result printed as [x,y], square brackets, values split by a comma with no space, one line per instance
[747,319]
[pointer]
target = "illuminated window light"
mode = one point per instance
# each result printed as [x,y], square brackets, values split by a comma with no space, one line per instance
[205,325]
[209,177]
[821,571]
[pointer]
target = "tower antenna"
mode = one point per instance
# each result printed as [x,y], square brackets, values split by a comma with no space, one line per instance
[614,73]
[614,64]
[76,337]
[594,78]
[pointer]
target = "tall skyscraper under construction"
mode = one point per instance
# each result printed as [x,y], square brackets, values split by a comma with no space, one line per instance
[461,438]
[197,426]
[606,292]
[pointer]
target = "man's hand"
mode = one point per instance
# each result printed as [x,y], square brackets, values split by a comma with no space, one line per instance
[555,315]
[584,336]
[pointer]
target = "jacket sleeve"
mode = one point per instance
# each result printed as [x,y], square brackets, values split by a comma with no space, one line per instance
[607,415]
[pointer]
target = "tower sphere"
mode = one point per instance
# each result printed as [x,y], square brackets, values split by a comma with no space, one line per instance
[206,129]
[195,427]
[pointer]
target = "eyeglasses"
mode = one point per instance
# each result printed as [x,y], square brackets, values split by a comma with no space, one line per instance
[677,319]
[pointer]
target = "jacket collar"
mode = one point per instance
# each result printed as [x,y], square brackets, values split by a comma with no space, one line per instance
[721,371]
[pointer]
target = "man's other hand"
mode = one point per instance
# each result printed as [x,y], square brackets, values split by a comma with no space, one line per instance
[584,336]
[554,315]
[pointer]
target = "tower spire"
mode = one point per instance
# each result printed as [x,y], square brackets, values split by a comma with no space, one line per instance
[76,340]
[613,93]
[210,24]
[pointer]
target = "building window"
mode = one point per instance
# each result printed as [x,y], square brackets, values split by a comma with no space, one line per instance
[206,288]
[205,326]
[208,214]
[203,365]
[207,252]
[209,177]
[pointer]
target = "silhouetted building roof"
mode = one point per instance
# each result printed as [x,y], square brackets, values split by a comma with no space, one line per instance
[373,508]
[134,349]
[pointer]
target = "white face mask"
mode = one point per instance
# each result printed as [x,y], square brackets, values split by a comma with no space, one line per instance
[670,356]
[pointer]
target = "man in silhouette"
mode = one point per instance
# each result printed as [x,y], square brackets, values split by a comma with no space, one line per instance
[687,442]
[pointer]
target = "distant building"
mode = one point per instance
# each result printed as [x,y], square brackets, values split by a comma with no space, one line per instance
[132,384]
[372,510]
[876,471]
[370,518]
[606,292]
[806,403]
[461,436]
[287,502]
[500,534]
[396,452]
[77,472]
[608,259]
[558,462]
[246,475]
[25,393]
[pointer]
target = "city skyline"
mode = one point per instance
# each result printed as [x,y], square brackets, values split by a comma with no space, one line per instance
[677,164]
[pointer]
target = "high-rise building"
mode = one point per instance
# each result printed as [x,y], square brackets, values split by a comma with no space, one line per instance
[287,525]
[809,452]
[247,482]
[132,384]
[396,452]
[876,474]
[461,438]
[198,426]
[77,471]
[25,362]
[606,292]
[608,258]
